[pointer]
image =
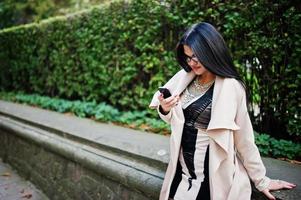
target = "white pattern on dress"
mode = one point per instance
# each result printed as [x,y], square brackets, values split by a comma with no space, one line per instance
[202,142]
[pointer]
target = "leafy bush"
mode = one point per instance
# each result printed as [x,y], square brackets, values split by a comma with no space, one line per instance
[112,55]
[263,142]
[269,146]
[120,53]
[84,109]
[105,112]
[16,12]
[284,148]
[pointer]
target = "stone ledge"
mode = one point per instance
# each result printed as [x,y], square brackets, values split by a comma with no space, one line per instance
[137,143]
[132,173]
[124,155]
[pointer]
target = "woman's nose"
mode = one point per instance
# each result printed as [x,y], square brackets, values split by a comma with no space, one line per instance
[192,63]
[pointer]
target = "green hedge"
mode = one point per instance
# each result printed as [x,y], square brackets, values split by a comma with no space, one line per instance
[103,112]
[16,12]
[122,52]
[113,55]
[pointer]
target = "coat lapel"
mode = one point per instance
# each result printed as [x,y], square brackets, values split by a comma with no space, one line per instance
[224,105]
[223,113]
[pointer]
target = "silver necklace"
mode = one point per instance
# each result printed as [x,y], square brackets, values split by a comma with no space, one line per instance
[202,86]
[196,89]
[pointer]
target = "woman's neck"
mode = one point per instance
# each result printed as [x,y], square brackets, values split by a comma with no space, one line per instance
[206,77]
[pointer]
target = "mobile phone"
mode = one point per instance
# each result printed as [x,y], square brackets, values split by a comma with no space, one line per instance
[166,93]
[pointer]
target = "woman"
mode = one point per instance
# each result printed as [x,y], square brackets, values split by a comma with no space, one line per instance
[213,153]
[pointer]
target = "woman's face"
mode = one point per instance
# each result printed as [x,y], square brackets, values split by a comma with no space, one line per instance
[192,61]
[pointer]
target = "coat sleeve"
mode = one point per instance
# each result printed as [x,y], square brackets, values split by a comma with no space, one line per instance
[167,117]
[246,147]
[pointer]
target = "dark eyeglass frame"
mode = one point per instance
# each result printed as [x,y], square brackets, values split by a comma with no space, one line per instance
[191,58]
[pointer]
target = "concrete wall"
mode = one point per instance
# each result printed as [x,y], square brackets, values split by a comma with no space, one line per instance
[72,158]
[68,171]
[113,162]
[60,177]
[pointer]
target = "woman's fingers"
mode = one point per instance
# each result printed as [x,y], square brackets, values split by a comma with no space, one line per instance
[288,187]
[165,101]
[160,97]
[288,183]
[267,193]
[170,99]
[279,184]
[169,102]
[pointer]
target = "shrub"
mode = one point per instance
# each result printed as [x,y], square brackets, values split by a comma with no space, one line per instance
[269,146]
[121,53]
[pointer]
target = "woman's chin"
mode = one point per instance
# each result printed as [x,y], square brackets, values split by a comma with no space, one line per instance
[197,71]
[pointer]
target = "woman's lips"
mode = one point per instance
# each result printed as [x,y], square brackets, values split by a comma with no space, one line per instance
[195,67]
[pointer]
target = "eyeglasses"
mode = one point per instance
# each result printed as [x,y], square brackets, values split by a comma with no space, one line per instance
[192,58]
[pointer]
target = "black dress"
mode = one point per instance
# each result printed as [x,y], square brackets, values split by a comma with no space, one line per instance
[191,180]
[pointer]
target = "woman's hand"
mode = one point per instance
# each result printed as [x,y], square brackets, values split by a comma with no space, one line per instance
[277,185]
[168,103]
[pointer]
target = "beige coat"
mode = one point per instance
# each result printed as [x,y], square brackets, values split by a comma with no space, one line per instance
[234,156]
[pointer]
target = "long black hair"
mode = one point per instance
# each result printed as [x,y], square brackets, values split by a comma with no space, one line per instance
[210,49]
